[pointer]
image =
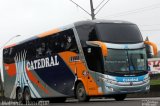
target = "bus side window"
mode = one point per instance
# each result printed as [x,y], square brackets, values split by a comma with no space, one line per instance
[63,41]
[48,50]
[69,41]
[94,59]
[40,49]
[5,55]
[93,35]
[11,55]
[30,48]
[55,43]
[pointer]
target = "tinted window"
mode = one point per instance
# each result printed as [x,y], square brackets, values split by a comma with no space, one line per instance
[12,53]
[122,61]
[8,55]
[63,41]
[86,33]
[94,59]
[119,33]
[30,47]
[41,47]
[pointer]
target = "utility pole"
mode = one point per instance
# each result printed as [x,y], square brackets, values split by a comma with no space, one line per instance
[92,10]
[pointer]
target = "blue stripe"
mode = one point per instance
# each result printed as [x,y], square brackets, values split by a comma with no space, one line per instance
[130,79]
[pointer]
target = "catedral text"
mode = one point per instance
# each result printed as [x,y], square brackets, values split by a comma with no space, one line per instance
[42,63]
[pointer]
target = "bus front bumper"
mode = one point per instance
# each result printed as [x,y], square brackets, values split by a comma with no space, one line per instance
[119,89]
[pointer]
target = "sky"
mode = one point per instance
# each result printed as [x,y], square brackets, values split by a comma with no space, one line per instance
[31,17]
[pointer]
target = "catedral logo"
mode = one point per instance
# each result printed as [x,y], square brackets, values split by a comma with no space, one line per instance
[42,63]
[130,79]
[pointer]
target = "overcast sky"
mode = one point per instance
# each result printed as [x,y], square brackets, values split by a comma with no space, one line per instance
[32,17]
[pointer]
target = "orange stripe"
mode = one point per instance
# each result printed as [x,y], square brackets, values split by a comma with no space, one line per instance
[35,81]
[79,68]
[11,69]
[88,81]
[48,33]
[155,49]
[102,45]
[9,46]
[66,58]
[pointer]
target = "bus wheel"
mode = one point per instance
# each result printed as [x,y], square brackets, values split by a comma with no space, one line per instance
[81,93]
[120,97]
[26,95]
[19,96]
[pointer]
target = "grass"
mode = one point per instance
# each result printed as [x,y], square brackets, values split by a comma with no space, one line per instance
[155,82]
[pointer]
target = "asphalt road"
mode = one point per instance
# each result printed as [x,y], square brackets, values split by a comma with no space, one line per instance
[112,102]
[103,102]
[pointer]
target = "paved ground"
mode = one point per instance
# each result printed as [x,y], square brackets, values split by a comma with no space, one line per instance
[105,102]
[112,102]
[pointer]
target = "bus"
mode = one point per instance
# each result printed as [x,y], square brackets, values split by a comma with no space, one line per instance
[92,58]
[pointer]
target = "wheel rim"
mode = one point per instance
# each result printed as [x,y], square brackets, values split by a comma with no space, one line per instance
[19,95]
[27,96]
[81,92]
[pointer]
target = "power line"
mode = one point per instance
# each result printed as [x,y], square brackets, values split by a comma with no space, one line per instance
[101,7]
[80,7]
[155,6]
[150,25]
[151,30]
[99,4]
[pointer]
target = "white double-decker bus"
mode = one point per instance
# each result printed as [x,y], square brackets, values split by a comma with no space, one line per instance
[82,60]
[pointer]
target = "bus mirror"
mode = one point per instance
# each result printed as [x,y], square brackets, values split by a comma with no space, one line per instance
[99,44]
[149,50]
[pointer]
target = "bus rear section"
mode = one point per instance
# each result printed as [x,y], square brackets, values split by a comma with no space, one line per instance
[86,59]
[42,67]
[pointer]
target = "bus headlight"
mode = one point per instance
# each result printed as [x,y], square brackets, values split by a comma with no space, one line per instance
[108,80]
[146,79]
[147,88]
[109,88]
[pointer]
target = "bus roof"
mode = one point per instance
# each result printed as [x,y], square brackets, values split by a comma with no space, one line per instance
[79,23]
[92,22]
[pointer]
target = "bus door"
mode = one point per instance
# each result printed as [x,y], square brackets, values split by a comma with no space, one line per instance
[82,74]
[93,56]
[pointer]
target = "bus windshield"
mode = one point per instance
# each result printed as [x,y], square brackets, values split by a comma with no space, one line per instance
[122,61]
[118,33]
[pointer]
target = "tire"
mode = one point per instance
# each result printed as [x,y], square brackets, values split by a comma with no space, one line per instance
[19,96]
[81,93]
[120,97]
[26,95]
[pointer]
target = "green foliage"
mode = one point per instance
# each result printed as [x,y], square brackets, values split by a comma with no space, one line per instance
[155,82]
